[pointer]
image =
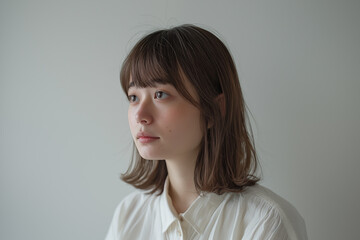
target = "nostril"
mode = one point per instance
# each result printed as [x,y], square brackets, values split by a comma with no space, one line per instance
[144,121]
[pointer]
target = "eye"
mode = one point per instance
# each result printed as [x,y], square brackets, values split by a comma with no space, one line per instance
[132,98]
[161,95]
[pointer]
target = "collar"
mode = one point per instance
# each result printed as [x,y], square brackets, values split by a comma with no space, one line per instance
[197,215]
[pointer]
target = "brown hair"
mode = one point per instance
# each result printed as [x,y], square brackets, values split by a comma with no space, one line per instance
[227,159]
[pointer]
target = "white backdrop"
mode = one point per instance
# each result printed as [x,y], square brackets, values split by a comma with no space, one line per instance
[64,135]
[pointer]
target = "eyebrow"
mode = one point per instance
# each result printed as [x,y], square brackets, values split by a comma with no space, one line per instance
[131,84]
[154,83]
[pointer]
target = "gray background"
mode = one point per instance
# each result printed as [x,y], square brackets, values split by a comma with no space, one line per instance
[64,133]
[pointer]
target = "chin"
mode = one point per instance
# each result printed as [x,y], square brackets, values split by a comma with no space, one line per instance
[150,156]
[152,159]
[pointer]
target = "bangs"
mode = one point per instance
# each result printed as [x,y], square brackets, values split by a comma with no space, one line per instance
[159,58]
[152,61]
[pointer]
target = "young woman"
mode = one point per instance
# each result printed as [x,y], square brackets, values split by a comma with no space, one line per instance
[195,161]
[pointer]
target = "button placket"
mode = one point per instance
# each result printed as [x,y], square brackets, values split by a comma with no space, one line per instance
[179,229]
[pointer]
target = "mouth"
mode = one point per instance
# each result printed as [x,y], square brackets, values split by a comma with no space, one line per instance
[146,138]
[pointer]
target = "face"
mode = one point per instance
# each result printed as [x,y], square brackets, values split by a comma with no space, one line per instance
[164,125]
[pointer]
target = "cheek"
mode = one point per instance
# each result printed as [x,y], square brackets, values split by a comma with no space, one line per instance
[173,121]
[182,124]
[131,120]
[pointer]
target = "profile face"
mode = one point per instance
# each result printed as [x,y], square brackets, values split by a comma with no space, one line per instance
[163,124]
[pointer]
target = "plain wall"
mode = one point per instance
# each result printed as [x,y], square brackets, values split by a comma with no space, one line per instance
[64,137]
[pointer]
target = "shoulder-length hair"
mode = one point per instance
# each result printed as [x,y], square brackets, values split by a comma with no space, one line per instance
[227,160]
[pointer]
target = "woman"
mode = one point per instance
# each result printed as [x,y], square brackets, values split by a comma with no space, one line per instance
[195,161]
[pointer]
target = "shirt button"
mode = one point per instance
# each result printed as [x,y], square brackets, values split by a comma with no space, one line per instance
[179,233]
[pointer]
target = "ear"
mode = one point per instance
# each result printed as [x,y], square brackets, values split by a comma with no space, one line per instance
[220,101]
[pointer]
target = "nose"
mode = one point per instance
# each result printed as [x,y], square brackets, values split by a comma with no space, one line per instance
[143,114]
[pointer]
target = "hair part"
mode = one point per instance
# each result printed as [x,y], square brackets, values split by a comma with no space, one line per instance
[227,160]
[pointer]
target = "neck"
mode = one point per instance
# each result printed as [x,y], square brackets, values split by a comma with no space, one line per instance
[181,183]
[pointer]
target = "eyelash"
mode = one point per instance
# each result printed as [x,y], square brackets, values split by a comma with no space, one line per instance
[156,93]
[155,96]
[130,98]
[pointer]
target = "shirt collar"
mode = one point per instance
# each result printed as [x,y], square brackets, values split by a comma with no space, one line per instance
[197,215]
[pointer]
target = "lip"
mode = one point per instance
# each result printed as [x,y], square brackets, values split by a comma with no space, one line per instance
[144,137]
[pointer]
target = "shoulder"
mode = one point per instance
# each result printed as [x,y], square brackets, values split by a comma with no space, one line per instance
[130,213]
[264,209]
[260,195]
[135,203]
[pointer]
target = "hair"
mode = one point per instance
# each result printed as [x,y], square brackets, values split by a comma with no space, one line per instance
[227,160]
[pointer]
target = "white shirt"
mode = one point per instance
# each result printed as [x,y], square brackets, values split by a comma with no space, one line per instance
[256,213]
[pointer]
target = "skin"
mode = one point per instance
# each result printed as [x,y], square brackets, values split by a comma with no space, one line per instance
[161,112]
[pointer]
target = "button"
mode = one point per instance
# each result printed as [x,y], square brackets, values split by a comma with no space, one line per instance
[179,233]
